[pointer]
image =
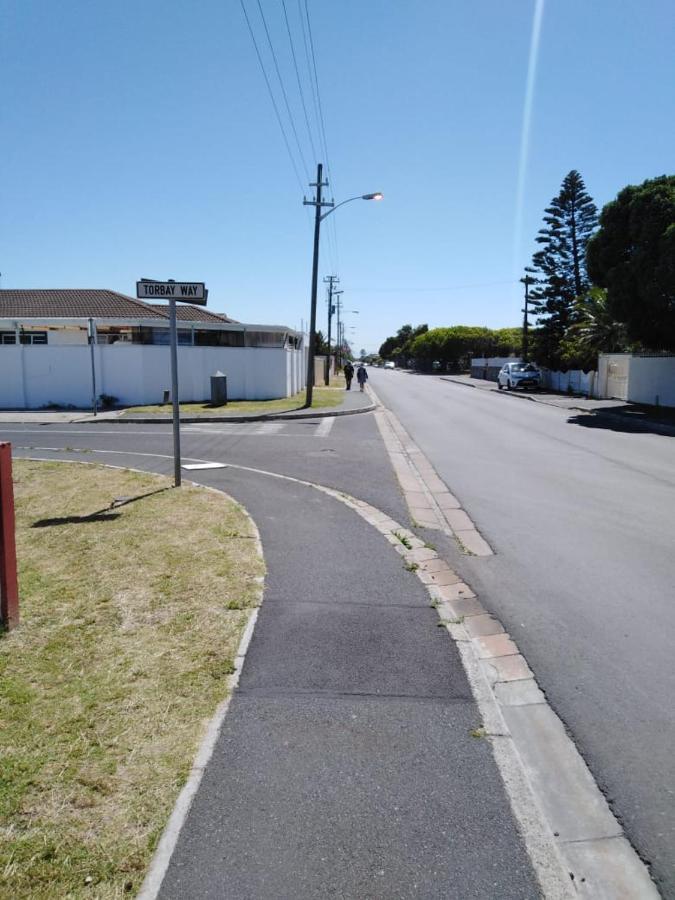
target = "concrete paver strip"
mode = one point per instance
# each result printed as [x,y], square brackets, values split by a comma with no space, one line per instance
[429,501]
[458,520]
[446,500]
[491,645]
[472,542]
[506,668]
[518,693]
[482,626]
[573,805]
[452,592]
[443,577]
[465,604]
[628,876]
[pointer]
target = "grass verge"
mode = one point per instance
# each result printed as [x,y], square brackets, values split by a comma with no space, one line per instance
[131,617]
[323,398]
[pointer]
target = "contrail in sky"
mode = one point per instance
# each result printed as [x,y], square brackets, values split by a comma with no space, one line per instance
[525,134]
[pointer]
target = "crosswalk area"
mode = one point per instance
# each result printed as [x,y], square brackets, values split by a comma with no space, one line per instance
[292,428]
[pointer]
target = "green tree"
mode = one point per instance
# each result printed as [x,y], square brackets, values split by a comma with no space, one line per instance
[506,342]
[560,266]
[594,331]
[321,345]
[451,347]
[397,347]
[633,256]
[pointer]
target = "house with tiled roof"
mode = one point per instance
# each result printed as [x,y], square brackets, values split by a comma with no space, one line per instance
[54,342]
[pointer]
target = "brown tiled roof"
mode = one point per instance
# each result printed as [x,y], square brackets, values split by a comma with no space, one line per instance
[79,303]
[73,303]
[185,312]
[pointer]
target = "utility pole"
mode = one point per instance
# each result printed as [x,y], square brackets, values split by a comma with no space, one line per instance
[527,281]
[330,280]
[317,204]
[338,343]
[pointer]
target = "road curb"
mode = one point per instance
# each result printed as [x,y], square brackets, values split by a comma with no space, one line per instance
[430,503]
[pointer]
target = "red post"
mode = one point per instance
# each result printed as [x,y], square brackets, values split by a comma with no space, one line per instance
[9,587]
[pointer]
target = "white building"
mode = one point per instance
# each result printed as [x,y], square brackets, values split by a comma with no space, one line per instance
[45,357]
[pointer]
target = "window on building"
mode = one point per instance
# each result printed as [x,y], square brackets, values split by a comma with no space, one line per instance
[265,338]
[33,337]
[25,337]
[161,336]
[214,338]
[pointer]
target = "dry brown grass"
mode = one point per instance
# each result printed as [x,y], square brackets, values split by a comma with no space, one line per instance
[130,622]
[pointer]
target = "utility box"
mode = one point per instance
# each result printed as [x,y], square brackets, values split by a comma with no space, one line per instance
[219,389]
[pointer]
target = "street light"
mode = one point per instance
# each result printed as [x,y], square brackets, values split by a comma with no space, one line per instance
[318,204]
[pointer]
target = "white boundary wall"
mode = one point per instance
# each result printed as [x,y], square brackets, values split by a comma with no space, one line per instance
[573,380]
[34,376]
[648,379]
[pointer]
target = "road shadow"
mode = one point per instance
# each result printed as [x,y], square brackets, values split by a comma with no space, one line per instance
[628,423]
[101,515]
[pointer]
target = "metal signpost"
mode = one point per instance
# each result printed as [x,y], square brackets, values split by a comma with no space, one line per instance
[9,589]
[186,292]
[91,337]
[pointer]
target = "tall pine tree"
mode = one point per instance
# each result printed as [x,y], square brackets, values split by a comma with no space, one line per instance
[560,266]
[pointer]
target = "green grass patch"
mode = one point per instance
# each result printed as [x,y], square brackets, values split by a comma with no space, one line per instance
[129,627]
[323,398]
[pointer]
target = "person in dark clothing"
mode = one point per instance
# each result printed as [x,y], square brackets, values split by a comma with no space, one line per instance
[361,376]
[349,374]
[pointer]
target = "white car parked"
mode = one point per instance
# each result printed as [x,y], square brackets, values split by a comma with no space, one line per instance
[518,374]
[390,365]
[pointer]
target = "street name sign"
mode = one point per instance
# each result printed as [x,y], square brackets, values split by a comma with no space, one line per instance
[184,291]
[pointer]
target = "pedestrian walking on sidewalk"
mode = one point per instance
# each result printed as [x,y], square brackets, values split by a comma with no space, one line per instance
[361,376]
[349,374]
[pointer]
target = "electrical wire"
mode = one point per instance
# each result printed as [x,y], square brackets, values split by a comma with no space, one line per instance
[283,90]
[329,231]
[318,95]
[297,75]
[314,79]
[420,290]
[274,103]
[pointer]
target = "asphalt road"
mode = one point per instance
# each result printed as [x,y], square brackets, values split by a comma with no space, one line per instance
[581,516]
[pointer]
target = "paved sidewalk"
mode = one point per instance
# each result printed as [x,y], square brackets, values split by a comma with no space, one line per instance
[50,417]
[563,401]
[346,766]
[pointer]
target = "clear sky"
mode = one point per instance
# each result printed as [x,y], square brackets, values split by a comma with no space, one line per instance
[138,139]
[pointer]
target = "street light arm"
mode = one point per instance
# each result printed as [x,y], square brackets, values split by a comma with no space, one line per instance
[376,196]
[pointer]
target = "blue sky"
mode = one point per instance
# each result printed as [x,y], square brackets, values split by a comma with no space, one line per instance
[138,139]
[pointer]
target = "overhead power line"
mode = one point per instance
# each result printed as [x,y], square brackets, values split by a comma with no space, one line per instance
[420,290]
[283,90]
[310,55]
[300,90]
[271,93]
[318,94]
